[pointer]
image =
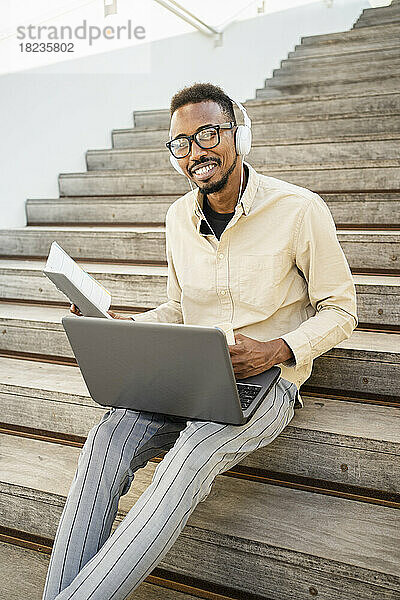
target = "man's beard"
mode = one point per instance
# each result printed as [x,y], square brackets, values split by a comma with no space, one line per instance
[212,188]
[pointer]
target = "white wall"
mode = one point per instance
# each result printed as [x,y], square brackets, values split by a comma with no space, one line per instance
[51,116]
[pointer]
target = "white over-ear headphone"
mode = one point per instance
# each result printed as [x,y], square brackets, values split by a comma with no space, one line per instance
[242,138]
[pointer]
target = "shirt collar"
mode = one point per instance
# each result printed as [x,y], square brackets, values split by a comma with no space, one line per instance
[247,197]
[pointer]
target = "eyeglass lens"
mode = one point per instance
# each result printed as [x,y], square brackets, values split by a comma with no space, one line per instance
[206,138]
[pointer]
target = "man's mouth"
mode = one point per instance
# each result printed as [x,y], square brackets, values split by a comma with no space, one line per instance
[204,171]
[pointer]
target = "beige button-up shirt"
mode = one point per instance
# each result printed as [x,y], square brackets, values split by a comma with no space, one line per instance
[277,271]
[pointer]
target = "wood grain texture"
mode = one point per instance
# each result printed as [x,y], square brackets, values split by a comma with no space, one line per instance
[300,107]
[328,542]
[332,440]
[23,575]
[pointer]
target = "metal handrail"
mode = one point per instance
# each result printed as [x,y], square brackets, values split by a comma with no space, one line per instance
[183,13]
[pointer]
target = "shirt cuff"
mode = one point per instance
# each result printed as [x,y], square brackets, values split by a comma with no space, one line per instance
[300,346]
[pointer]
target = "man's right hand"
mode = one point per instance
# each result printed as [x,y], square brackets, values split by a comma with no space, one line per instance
[74,309]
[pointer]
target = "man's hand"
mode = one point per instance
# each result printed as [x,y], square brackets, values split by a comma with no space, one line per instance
[74,309]
[251,357]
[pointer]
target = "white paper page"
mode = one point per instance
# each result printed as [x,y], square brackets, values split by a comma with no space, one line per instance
[60,262]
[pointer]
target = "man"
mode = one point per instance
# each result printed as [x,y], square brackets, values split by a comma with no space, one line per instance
[241,247]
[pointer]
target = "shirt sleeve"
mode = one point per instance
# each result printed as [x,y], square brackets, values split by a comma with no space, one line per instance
[331,289]
[170,311]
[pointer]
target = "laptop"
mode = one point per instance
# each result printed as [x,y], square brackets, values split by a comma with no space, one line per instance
[179,370]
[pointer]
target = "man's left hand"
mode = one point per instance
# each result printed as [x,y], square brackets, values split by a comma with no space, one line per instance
[251,357]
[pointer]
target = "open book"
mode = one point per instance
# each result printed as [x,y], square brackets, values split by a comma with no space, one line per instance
[92,299]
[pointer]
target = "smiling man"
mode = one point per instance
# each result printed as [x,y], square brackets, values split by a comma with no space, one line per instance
[242,247]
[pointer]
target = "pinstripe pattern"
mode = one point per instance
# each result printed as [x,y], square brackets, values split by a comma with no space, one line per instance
[89,564]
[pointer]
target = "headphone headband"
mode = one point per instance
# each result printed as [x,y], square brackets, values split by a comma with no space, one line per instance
[246,118]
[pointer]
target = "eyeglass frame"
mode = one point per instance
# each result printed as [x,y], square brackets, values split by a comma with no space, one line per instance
[191,138]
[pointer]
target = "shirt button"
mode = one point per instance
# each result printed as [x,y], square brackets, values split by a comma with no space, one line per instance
[223,292]
[221,256]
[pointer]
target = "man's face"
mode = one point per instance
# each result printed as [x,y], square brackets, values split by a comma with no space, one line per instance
[220,160]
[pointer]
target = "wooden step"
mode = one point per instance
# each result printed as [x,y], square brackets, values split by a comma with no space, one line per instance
[342,49]
[359,175]
[294,62]
[352,209]
[368,209]
[370,250]
[341,72]
[379,32]
[289,108]
[379,16]
[367,364]
[274,87]
[98,209]
[123,244]
[279,132]
[262,156]
[353,552]
[23,574]
[378,300]
[145,286]
[54,398]
[366,250]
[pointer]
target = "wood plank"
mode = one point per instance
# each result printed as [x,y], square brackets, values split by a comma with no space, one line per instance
[130,285]
[277,131]
[289,108]
[278,535]
[368,363]
[388,83]
[342,72]
[144,286]
[97,209]
[321,441]
[361,176]
[347,209]
[266,154]
[370,249]
[23,574]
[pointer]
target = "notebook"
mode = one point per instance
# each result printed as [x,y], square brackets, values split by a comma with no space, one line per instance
[92,299]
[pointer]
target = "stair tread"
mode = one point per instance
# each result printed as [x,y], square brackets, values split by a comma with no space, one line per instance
[359,340]
[255,123]
[89,228]
[336,417]
[17,264]
[372,137]
[372,341]
[161,229]
[280,100]
[280,518]
[23,574]
[92,267]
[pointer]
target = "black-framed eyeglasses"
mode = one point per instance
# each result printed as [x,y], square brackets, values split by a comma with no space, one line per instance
[207,137]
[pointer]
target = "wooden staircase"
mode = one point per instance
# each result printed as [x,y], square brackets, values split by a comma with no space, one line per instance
[315,513]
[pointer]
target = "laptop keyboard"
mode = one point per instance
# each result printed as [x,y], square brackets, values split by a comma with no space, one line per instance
[247,393]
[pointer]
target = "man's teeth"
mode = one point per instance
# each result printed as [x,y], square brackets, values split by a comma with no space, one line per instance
[203,170]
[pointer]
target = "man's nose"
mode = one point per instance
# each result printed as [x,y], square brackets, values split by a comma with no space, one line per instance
[196,151]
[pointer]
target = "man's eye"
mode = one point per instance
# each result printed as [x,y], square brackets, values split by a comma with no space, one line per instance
[207,135]
[180,143]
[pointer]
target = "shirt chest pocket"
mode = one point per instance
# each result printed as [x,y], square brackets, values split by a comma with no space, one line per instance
[260,277]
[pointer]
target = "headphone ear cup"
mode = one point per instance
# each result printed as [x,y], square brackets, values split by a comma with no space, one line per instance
[175,164]
[243,140]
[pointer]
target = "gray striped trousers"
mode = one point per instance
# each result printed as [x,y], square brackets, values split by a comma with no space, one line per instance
[89,563]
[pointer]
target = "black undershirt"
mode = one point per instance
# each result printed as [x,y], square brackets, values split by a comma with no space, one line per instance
[218,221]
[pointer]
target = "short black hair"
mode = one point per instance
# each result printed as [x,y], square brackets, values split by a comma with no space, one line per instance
[203,92]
